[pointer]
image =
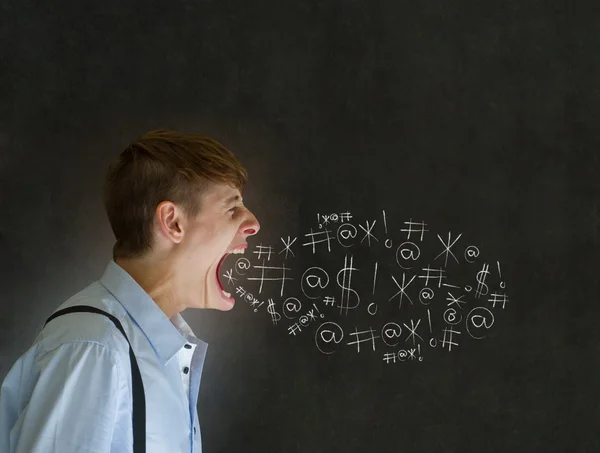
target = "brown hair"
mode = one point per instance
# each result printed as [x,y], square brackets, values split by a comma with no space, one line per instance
[162,165]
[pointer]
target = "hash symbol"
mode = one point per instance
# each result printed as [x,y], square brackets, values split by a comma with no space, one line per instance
[448,335]
[410,230]
[329,300]
[312,237]
[358,341]
[262,278]
[240,290]
[389,357]
[440,275]
[498,298]
[294,328]
[264,249]
[345,217]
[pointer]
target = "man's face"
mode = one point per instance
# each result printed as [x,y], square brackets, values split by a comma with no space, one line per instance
[221,228]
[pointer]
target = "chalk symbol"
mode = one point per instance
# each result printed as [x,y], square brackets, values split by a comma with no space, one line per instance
[413,331]
[407,251]
[368,235]
[502,284]
[429,318]
[310,313]
[328,336]
[263,279]
[425,295]
[403,288]
[329,301]
[372,310]
[229,276]
[478,321]
[242,264]
[482,289]
[314,242]
[389,357]
[384,222]
[455,301]
[420,228]
[471,254]
[447,247]
[449,333]
[287,246]
[263,249]
[346,232]
[294,328]
[433,274]
[291,306]
[498,299]
[451,318]
[275,317]
[367,336]
[374,277]
[312,278]
[391,331]
[346,286]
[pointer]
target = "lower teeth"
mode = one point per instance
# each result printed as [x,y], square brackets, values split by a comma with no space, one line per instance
[226,293]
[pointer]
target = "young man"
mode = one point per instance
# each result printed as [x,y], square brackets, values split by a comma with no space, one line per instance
[174,202]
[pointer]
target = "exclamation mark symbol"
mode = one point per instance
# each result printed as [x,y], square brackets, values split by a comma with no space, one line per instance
[502,284]
[388,241]
[419,347]
[429,318]
[319,221]
[432,341]
[374,277]
[256,309]
[320,314]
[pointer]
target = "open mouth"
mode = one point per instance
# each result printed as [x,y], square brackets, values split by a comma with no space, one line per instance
[237,249]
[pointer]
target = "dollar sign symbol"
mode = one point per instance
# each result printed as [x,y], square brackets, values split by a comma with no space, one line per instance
[482,288]
[346,274]
[275,317]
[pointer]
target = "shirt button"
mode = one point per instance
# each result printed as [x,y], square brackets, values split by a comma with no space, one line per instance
[188,346]
[186,370]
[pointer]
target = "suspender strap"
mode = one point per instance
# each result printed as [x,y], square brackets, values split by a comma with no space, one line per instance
[139,397]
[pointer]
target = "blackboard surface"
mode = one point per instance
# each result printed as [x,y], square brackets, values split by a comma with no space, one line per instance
[361,124]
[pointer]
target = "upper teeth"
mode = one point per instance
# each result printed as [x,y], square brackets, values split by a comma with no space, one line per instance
[237,251]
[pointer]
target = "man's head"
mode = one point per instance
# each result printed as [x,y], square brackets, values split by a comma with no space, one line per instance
[174,203]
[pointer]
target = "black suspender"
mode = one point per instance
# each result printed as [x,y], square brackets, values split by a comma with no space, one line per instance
[139,397]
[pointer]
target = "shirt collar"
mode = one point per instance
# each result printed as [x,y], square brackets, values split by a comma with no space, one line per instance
[162,333]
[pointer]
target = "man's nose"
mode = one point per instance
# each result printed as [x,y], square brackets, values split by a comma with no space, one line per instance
[250,226]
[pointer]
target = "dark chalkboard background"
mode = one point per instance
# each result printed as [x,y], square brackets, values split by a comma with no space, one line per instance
[477,118]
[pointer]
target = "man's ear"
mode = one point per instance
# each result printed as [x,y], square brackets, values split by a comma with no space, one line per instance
[170,221]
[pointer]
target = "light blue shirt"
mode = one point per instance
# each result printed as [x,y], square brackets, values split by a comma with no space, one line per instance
[71,391]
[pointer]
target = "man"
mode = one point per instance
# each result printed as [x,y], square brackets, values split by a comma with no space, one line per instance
[174,202]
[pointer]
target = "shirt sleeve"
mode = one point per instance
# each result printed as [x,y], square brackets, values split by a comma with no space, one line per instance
[73,403]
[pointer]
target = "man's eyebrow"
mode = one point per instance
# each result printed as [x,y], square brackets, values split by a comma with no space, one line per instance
[232,199]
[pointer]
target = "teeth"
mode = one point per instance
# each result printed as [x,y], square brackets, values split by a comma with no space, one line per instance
[238,251]
[226,293]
